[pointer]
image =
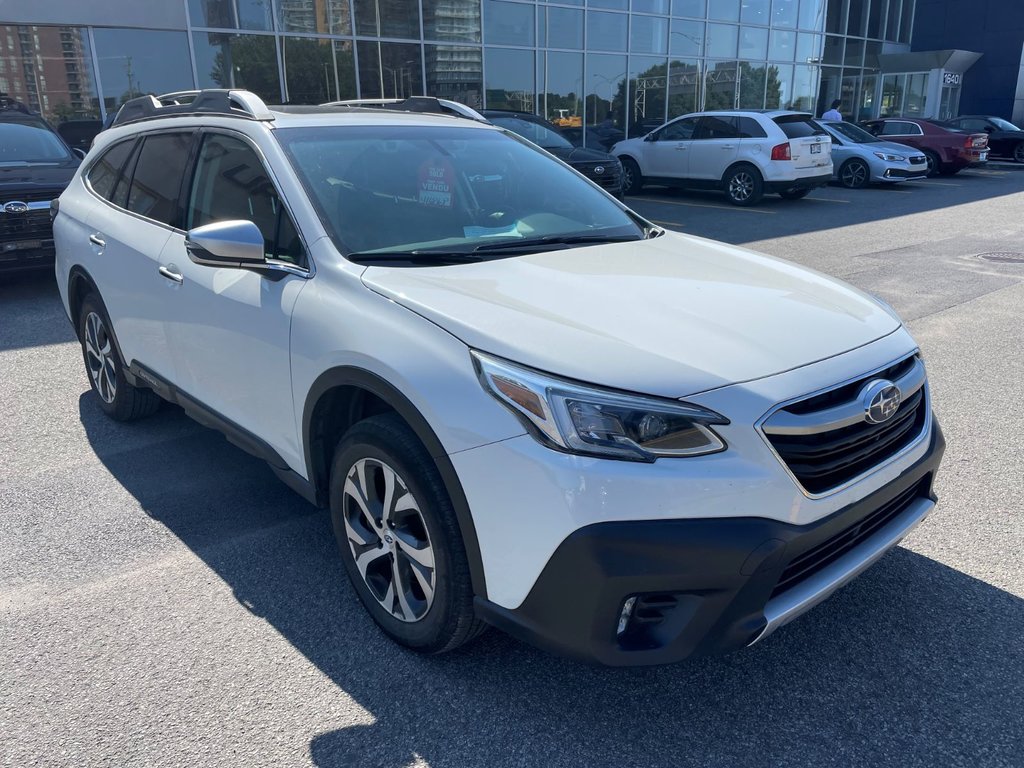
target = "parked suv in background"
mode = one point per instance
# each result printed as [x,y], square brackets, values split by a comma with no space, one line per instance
[597,165]
[35,166]
[745,153]
[1004,138]
[860,158]
[524,404]
[947,151]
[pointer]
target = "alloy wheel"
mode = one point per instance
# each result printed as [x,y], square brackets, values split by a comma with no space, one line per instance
[99,355]
[854,175]
[389,540]
[741,186]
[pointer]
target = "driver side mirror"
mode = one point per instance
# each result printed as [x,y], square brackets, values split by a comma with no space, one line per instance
[228,244]
[989,129]
[652,136]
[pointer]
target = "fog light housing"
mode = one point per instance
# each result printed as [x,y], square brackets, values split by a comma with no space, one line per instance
[625,614]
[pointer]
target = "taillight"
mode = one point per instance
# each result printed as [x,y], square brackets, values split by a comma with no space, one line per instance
[976,141]
[782,152]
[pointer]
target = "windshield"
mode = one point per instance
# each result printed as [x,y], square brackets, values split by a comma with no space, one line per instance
[852,132]
[30,143]
[398,189]
[1003,125]
[539,134]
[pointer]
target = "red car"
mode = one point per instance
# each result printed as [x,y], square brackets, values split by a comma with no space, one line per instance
[948,151]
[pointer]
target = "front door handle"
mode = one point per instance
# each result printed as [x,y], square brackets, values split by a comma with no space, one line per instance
[170,273]
[680,146]
[96,240]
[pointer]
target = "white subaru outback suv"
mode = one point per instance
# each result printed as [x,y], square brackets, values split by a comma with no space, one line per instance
[745,153]
[524,405]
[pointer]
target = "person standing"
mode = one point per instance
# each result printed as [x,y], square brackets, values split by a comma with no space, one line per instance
[833,113]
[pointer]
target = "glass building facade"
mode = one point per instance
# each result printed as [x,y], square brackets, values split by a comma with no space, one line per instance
[630,64]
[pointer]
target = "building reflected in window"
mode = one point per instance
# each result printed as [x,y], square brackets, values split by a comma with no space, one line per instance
[49,69]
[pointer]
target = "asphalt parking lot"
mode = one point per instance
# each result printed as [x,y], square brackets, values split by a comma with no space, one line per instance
[164,601]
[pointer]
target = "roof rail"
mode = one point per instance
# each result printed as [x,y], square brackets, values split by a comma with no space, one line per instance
[210,101]
[427,104]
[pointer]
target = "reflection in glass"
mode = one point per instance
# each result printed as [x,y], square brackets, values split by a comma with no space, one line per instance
[828,88]
[661,7]
[780,86]
[452,20]
[134,62]
[812,14]
[866,102]
[61,58]
[618,5]
[720,85]
[917,91]
[753,77]
[721,42]
[387,18]
[389,70]
[456,72]
[809,48]
[606,95]
[692,9]
[684,86]
[648,89]
[212,13]
[225,60]
[508,23]
[686,38]
[255,14]
[782,45]
[755,11]
[724,10]
[785,13]
[322,16]
[648,34]
[316,71]
[510,79]
[606,31]
[802,96]
[753,42]
[560,87]
[561,27]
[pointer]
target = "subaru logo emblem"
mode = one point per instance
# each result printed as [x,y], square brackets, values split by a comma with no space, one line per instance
[881,399]
[599,169]
[15,206]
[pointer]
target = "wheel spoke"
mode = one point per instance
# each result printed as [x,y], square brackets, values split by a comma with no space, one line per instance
[353,492]
[422,555]
[365,559]
[356,536]
[400,587]
[389,493]
[424,582]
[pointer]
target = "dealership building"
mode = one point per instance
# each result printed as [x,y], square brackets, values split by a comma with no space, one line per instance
[633,62]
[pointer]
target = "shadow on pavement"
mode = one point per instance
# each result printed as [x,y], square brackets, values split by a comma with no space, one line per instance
[31,313]
[913,664]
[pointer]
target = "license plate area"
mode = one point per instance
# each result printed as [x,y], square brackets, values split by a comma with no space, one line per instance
[815,149]
[22,245]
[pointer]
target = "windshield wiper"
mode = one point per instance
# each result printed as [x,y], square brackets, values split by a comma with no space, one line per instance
[418,257]
[543,243]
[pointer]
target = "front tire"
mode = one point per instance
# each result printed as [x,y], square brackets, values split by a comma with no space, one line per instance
[399,538]
[1018,152]
[117,398]
[743,185]
[934,164]
[632,179]
[854,174]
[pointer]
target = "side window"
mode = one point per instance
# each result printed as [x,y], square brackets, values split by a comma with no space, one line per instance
[231,183]
[717,128]
[156,182]
[104,174]
[680,130]
[974,125]
[897,128]
[749,128]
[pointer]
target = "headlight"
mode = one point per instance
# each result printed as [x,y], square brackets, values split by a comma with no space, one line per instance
[579,419]
[890,158]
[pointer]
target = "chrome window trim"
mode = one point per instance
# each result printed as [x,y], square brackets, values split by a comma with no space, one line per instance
[925,433]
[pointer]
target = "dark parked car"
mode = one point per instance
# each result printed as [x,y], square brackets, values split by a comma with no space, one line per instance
[79,133]
[35,167]
[948,151]
[601,136]
[598,166]
[1004,138]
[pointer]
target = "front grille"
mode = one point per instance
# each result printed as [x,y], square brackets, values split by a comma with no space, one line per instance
[31,225]
[42,194]
[918,160]
[813,560]
[824,460]
[609,178]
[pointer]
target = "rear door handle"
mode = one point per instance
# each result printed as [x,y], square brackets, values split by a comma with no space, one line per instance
[171,274]
[96,240]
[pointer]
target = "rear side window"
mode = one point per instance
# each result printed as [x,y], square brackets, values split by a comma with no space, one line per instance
[105,172]
[717,128]
[231,183]
[799,126]
[899,128]
[749,128]
[156,182]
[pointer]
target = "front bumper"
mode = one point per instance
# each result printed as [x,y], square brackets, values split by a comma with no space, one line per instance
[706,585]
[808,182]
[903,174]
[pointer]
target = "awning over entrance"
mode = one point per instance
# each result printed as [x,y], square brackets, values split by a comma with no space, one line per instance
[924,61]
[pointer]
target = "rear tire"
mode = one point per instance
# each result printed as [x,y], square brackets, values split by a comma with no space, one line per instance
[632,179]
[854,174]
[743,185]
[1018,152]
[103,364]
[399,538]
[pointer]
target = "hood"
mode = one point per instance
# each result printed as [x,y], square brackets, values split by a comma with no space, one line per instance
[890,146]
[670,316]
[580,155]
[21,176]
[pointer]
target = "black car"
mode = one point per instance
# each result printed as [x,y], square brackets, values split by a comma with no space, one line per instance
[603,135]
[1004,138]
[600,167]
[35,167]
